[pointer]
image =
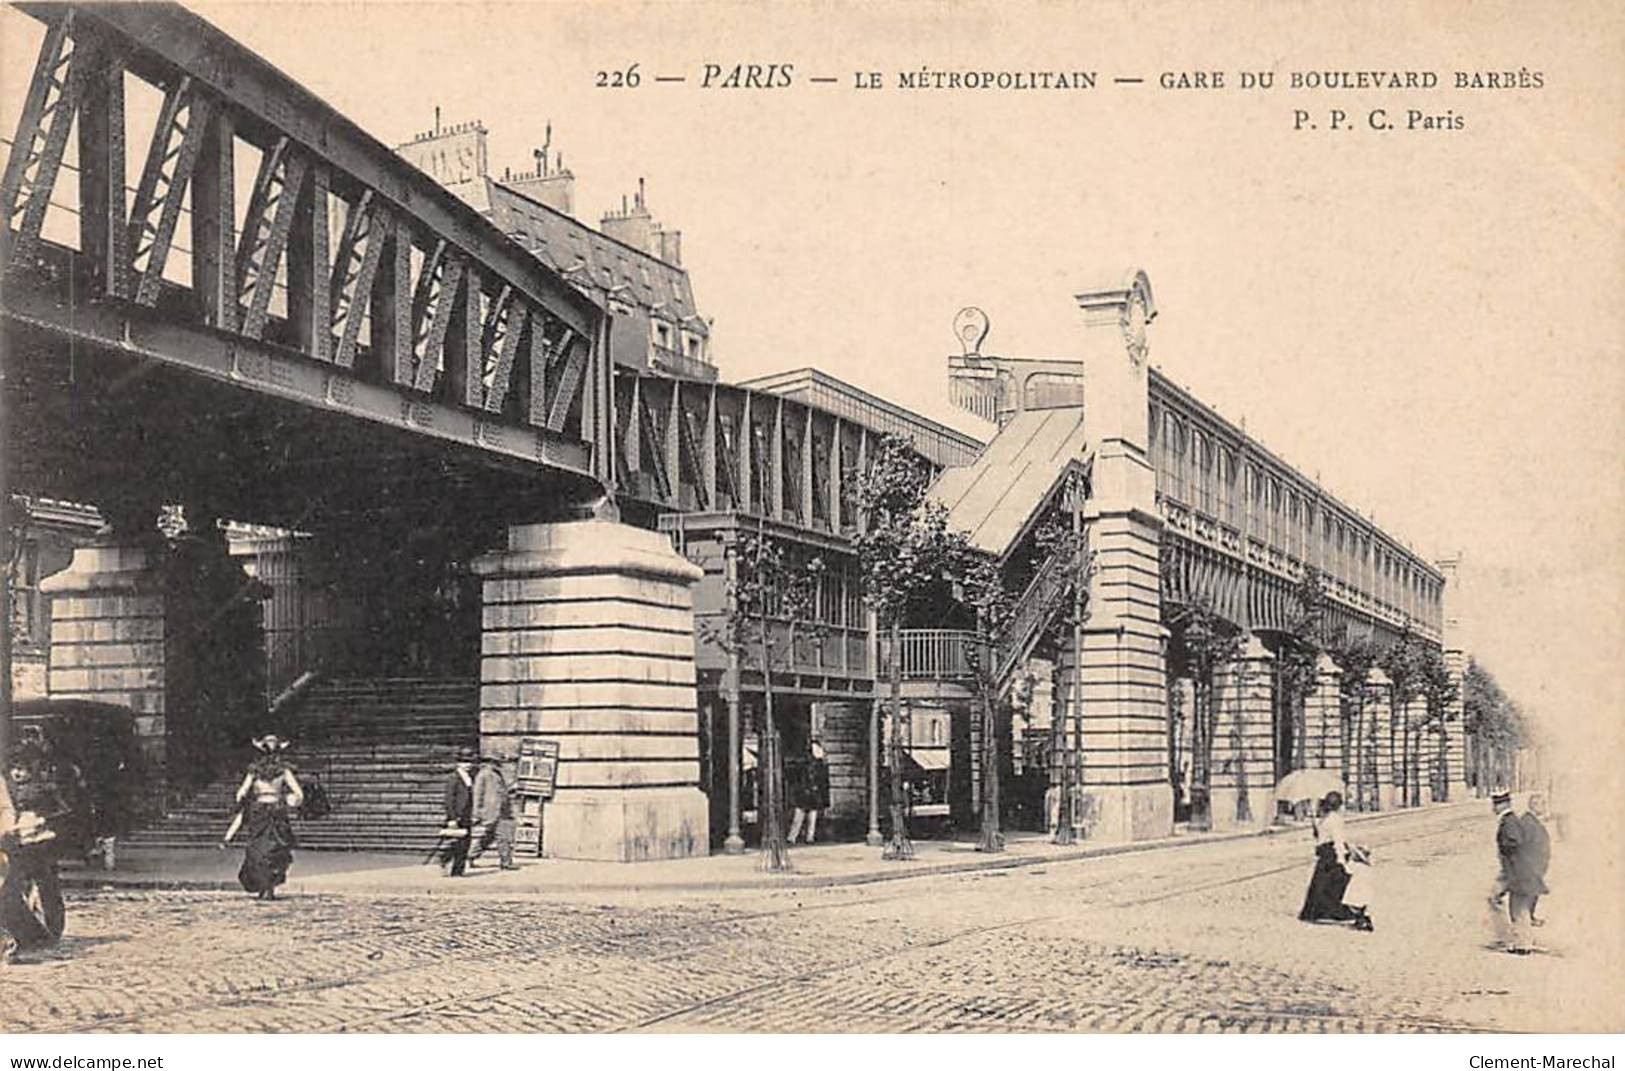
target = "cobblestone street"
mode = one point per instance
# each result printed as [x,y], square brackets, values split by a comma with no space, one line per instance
[1203,938]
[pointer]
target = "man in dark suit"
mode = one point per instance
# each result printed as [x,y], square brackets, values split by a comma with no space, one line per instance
[1538,843]
[459,815]
[1519,880]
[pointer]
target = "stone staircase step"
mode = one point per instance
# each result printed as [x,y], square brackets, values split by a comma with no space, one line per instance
[380,747]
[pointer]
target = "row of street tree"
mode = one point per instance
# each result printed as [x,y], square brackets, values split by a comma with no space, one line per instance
[909,559]
[1416,687]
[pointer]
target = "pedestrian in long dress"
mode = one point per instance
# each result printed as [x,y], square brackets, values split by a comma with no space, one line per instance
[269,792]
[1330,896]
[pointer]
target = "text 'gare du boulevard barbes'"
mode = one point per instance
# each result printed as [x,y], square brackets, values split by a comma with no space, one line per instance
[478,481]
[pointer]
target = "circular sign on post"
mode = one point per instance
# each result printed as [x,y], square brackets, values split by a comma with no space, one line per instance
[971,327]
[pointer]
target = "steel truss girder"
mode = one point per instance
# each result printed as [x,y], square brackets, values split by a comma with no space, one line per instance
[367,227]
[176,139]
[265,231]
[268,369]
[42,136]
[483,291]
[164,42]
[564,392]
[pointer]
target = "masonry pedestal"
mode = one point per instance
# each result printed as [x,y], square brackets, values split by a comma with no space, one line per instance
[1244,741]
[1323,718]
[589,641]
[108,637]
[1125,793]
[1379,719]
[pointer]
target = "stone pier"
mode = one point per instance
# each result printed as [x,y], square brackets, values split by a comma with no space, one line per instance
[1126,791]
[108,638]
[1244,740]
[1379,718]
[1323,718]
[589,641]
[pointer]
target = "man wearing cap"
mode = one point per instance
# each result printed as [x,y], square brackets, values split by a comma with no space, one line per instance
[493,814]
[459,814]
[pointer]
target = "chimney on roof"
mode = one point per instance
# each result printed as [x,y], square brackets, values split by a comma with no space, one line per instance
[454,156]
[552,185]
[634,226]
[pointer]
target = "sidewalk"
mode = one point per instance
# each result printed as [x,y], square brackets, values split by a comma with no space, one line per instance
[816,866]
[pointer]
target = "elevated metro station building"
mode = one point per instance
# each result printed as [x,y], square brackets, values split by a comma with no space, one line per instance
[485,482]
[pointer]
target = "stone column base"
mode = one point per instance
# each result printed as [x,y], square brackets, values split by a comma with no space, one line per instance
[1388,797]
[627,826]
[589,643]
[1127,812]
[1260,801]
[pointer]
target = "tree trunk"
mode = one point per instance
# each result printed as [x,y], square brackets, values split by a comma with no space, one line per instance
[1443,774]
[1344,728]
[897,844]
[1202,752]
[775,852]
[1060,773]
[1394,757]
[1238,746]
[992,835]
[1300,729]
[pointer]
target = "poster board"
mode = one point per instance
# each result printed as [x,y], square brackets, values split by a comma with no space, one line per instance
[538,767]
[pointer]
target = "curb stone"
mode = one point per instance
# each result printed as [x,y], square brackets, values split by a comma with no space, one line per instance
[323,885]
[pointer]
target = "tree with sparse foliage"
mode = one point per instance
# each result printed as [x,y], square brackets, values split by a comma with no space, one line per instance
[1402,661]
[1068,545]
[769,585]
[1208,642]
[1299,658]
[1493,723]
[1439,693]
[983,588]
[905,551]
[1355,656]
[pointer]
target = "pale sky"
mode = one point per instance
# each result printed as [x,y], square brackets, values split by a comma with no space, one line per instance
[1429,320]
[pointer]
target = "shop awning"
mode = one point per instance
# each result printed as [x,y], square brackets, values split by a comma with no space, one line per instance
[930,758]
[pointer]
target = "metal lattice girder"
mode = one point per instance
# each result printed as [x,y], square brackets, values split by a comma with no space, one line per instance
[654,442]
[310,310]
[42,135]
[214,222]
[536,407]
[176,139]
[569,382]
[103,225]
[361,248]
[691,444]
[499,346]
[266,229]
[431,312]
[393,328]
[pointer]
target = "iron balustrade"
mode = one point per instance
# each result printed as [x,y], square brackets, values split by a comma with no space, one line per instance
[931,654]
[675,360]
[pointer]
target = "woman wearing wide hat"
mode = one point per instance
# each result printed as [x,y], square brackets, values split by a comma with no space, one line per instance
[268,794]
